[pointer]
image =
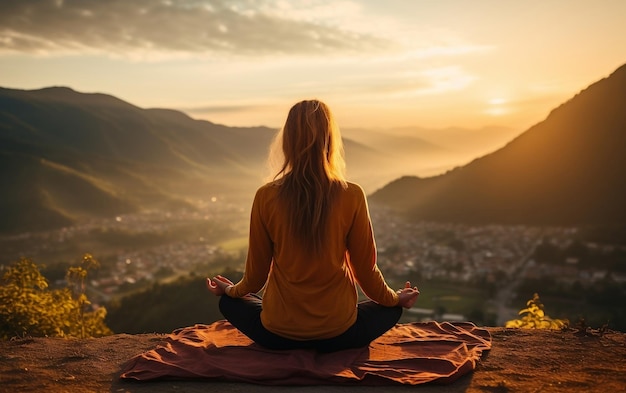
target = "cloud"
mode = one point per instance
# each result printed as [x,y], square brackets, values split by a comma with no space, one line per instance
[223,109]
[189,27]
[404,82]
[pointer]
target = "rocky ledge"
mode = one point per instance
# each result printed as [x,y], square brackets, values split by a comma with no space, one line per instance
[519,361]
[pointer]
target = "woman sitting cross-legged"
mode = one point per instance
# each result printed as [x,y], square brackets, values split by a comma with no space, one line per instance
[311,243]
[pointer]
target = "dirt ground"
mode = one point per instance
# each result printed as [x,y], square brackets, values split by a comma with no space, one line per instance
[519,361]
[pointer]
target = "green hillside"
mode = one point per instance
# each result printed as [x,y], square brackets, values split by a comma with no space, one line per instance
[68,156]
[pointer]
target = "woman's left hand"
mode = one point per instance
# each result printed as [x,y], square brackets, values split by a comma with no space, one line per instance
[218,284]
[407,295]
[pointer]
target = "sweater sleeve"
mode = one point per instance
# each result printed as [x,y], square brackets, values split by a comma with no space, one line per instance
[362,256]
[260,252]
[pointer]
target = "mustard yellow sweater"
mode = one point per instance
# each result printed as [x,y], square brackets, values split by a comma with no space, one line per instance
[310,297]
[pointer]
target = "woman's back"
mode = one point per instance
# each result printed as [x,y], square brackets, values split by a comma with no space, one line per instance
[312,295]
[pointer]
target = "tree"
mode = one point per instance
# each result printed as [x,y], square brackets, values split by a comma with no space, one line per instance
[29,307]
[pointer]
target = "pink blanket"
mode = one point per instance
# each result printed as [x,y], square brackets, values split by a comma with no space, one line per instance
[409,354]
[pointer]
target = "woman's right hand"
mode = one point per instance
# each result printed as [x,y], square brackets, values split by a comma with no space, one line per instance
[218,284]
[407,295]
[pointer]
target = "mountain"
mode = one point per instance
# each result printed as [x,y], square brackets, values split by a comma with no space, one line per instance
[569,169]
[455,142]
[66,156]
[393,155]
[419,151]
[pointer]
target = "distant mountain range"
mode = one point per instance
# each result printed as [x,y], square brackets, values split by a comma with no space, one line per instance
[418,151]
[569,169]
[67,156]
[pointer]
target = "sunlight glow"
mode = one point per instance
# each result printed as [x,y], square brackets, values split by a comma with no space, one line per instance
[497,107]
[445,79]
[497,101]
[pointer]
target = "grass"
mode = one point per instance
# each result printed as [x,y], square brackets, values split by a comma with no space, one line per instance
[456,299]
[234,245]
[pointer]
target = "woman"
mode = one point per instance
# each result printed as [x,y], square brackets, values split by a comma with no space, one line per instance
[310,244]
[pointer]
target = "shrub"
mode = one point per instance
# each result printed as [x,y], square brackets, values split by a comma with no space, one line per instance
[29,308]
[535,318]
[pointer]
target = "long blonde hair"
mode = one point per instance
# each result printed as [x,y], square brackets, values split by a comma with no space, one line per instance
[312,172]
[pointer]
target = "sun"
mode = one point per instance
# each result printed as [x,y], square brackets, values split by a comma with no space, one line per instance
[497,106]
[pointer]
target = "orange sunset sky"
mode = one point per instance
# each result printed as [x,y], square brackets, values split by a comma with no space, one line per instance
[379,64]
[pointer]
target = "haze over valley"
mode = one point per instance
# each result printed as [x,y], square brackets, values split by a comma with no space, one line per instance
[76,156]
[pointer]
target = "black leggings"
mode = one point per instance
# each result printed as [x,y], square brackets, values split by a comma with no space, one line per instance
[372,321]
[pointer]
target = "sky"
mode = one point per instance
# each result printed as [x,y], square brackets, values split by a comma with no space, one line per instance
[378,64]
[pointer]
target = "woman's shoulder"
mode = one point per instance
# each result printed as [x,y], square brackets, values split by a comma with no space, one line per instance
[267,189]
[354,188]
[270,185]
[354,191]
